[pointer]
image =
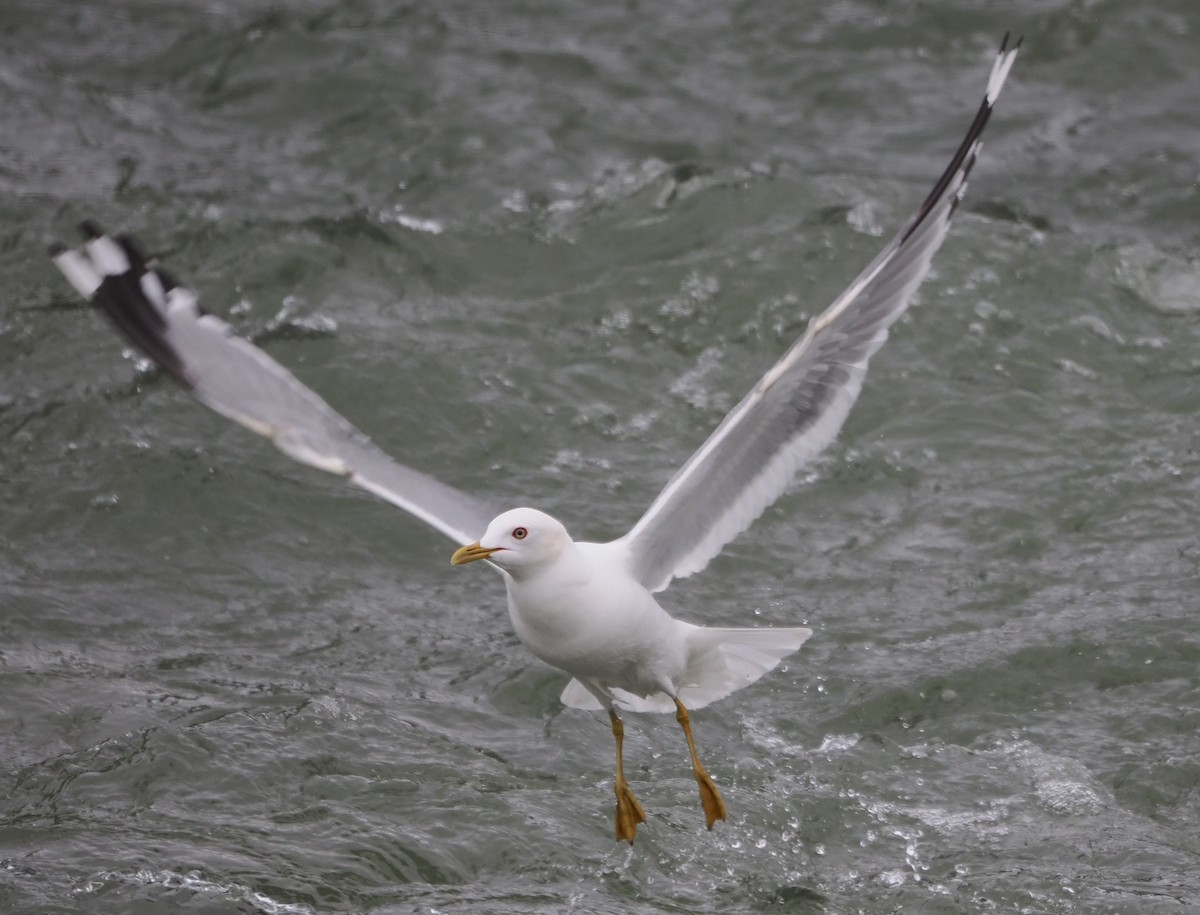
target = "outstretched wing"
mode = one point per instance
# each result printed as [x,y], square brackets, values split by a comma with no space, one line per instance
[237,379]
[800,404]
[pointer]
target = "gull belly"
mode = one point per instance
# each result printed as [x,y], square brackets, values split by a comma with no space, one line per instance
[585,614]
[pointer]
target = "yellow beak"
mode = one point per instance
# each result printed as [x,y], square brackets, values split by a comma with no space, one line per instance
[470,553]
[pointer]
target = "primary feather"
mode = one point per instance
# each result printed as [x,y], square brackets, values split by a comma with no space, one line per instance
[797,408]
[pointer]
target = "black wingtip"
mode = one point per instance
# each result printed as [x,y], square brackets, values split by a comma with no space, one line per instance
[133,250]
[56,248]
[90,230]
[1004,42]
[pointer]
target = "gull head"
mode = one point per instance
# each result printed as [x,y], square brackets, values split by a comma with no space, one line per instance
[521,539]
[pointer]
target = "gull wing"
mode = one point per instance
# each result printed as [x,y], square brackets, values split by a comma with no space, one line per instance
[797,408]
[238,380]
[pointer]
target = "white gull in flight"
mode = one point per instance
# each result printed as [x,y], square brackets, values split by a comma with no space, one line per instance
[586,608]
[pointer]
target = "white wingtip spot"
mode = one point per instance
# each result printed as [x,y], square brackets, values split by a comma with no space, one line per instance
[152,288]
[79,273]
[107,256]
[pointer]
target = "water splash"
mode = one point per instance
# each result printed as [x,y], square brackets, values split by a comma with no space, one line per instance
[1166,282]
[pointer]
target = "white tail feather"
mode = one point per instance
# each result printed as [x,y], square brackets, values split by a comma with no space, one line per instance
[720,661]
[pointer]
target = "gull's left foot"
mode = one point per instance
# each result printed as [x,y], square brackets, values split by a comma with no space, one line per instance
[629,813]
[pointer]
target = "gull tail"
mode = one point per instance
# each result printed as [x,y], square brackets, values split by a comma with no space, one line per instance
[720,662]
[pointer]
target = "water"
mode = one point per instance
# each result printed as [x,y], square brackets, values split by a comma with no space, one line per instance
[539,249]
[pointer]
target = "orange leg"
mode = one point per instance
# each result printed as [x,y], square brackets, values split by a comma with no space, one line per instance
[710,797]
[629,811]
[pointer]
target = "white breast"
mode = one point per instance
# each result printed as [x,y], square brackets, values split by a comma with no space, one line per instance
[585,614]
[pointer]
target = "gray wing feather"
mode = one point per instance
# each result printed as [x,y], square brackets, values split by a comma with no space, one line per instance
[797,408]
[238,380]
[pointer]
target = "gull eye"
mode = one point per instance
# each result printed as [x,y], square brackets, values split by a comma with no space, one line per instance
[519,533]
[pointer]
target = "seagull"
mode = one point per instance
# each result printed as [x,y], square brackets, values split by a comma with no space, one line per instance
[588,609]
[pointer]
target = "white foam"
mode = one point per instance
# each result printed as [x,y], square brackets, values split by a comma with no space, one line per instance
[195,882]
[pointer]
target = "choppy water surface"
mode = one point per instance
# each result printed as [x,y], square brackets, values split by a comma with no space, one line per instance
[539,249]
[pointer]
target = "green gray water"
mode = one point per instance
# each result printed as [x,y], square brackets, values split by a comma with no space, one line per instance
[538,249]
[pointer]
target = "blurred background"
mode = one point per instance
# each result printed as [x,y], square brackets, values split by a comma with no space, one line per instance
[539,249]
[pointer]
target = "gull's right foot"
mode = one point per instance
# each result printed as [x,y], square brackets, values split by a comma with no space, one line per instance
[629,813]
